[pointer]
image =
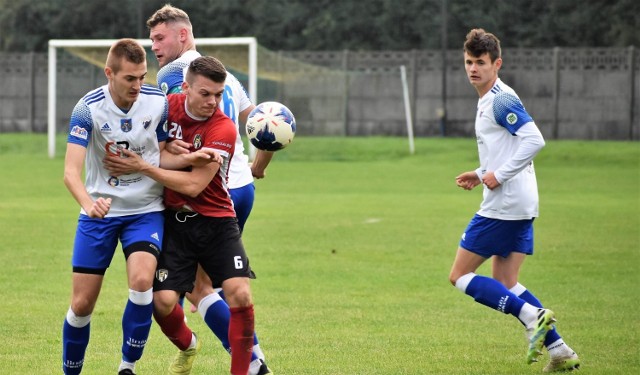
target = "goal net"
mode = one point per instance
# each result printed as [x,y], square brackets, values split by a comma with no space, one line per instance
[77,67]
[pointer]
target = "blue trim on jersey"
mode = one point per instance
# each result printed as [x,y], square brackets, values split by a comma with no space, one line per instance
[94,96]
[228,104]
[80,124]
[509,112]
[151,90]
[161,130]
[488,237]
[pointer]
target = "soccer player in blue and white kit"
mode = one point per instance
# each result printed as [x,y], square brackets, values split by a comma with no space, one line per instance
[173,43]
[508,140]
[124,113]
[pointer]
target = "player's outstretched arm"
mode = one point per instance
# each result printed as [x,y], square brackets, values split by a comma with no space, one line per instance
[260,163]
[190,183]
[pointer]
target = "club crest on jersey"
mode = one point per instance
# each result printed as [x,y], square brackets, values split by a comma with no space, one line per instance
[125,125]
[146,122]
[512,118]
[197,141]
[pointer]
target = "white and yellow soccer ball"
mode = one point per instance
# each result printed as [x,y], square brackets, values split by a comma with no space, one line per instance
[270,126]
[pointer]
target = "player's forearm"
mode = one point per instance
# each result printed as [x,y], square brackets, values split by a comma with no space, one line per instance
[179,181]
[260,163]
[77,189]
[173,161]
[531,144]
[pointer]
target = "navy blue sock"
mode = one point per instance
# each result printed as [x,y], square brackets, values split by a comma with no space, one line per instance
[74,345]
[136,323]
[492,293]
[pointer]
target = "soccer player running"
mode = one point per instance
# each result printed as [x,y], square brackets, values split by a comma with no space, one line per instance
[173,43]
[508,140]
[200,222]
[123,114]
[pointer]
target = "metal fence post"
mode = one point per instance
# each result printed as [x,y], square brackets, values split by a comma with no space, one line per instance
[556,93]
[631,62]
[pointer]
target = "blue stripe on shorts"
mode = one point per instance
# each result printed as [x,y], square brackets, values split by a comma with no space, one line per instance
[487,237]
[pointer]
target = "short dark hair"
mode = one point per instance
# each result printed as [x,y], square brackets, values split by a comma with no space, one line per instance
[479,42]
[208,67]
[168,14]
[127,49]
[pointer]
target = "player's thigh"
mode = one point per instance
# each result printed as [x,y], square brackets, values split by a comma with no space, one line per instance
[223,256]
[177,263]
[465,262]
[143,233]
[507,269]
[86,289]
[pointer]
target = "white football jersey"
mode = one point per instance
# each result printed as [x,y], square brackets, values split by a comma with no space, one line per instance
[234,101]
[100,126]
[508,140]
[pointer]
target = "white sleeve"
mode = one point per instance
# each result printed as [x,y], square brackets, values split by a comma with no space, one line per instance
[532,142]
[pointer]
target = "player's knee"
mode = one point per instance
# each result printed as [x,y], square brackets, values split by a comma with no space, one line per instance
[141,281]
[82,306]
[237,294]
[164,302]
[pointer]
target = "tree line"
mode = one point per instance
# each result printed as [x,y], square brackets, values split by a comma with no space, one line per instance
[27,25]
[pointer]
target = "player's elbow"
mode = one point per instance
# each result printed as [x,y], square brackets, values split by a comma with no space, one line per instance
[193,189]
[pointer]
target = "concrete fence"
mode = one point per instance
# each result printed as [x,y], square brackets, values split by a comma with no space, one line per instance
[572,93]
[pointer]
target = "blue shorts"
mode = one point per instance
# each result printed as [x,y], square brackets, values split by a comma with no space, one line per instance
[242,198]
[96,239]
[487,237]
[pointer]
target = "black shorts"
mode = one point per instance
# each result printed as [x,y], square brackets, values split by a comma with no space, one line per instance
[189,239]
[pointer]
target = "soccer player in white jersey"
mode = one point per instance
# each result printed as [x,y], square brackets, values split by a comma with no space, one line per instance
[173,43]
[508,140]
[121,114]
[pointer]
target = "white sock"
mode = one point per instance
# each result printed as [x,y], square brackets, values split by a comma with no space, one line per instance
[258,352]
[254,367]
[126,365]
[559,349]
[77,321]
[194,340]
[528,315]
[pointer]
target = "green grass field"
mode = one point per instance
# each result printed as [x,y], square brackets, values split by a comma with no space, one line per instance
[352,240]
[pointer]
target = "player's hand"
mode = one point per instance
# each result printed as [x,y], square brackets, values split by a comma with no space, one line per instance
[99,208]
[468,180]
[490,181]
[128,162]
[177,147]
[257,172]
[203,157]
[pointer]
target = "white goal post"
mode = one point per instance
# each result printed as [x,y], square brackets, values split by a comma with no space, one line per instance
[54,44]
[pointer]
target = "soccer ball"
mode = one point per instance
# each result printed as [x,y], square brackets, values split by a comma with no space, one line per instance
[270,126]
